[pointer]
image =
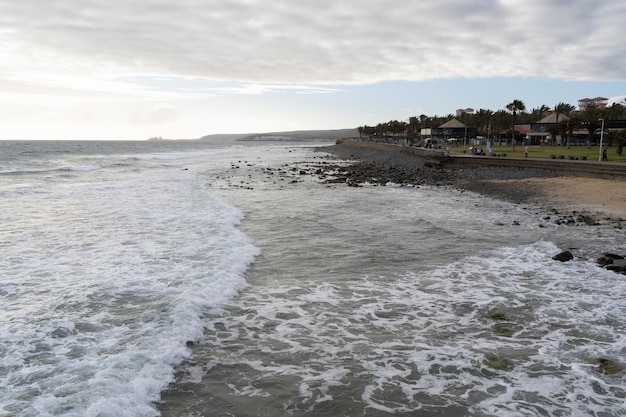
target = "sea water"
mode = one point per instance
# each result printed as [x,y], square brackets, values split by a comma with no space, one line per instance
[110,255]
[200,279]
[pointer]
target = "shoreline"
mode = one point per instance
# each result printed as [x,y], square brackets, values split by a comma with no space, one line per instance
[573,200]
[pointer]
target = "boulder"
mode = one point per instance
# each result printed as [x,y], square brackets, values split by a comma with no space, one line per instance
[563,256]
[612,262]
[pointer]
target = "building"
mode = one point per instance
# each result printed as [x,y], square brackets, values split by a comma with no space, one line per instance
[461,112]
[452,130]
[601,102]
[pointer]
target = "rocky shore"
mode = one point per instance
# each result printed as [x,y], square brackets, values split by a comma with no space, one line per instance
[556,198]
[381,166]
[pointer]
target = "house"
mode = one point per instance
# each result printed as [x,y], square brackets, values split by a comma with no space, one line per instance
[461,112]
[548,121]
[452,129]
[598,101]
[541,131]
[530,136]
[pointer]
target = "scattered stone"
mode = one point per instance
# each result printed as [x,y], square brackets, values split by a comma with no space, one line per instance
[564,256]
[587,220]
[620,269]
[498,362]
[505,329]
[383,166]
[608,366]
[612,262]
[498,315]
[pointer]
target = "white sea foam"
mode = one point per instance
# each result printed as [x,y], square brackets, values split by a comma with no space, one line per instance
[365,301]
[504,330]
[105,280]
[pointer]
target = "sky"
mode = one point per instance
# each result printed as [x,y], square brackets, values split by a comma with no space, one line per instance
[183,69]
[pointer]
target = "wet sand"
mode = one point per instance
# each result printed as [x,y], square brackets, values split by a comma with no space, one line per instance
[578,193]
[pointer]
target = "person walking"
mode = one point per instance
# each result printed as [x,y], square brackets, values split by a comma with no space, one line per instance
[526,151]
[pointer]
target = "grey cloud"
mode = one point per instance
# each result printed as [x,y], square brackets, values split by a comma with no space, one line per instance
[326,41]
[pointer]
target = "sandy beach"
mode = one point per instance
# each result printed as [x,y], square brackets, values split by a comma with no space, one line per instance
[577,193]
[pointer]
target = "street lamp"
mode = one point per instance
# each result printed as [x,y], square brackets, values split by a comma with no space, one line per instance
[601,137]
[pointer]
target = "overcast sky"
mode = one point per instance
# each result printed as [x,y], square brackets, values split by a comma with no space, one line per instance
[132,69]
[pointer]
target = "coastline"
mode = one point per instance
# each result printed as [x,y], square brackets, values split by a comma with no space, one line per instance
[606,199]
[577,199]
[403,269]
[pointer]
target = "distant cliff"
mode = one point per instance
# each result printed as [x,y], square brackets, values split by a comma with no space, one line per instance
[294,136]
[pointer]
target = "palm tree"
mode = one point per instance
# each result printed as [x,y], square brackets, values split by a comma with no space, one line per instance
[555,130]
[572,122]
[413,128]
[620,138]
[539,112]
[483,120]
[500,119]
[565,109]
[614,112]
[591,117]
[543,109]
[514,107]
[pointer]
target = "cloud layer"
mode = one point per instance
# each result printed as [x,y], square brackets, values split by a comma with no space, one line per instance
[324,42]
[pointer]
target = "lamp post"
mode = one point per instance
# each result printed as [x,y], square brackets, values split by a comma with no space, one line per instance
[601,137]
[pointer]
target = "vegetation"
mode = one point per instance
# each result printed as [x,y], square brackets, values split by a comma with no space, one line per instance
[514,107]
[499,126]
[548,151]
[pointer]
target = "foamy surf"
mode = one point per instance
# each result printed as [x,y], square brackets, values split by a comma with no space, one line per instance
[407,301]
[472,338]
[364,301]
[106,278]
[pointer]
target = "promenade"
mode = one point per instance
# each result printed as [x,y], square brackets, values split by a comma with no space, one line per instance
[588,168]
[584,168]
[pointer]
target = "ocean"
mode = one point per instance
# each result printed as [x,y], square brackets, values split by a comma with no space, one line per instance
[196,279]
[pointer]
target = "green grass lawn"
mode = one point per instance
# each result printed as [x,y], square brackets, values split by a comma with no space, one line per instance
[576,152]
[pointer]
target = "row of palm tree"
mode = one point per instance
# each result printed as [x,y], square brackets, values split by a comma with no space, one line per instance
[501,123]
[589,120]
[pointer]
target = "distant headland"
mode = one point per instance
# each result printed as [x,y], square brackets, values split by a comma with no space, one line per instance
[293,136]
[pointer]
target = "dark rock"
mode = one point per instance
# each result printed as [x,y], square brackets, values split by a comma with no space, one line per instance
[563,256]
[613,262]
[608,366]
[603,261]
[379,166]
[616,268]
[588,220]
[498,362]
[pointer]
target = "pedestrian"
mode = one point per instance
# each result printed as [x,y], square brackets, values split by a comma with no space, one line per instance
[604,157]
[526,152]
